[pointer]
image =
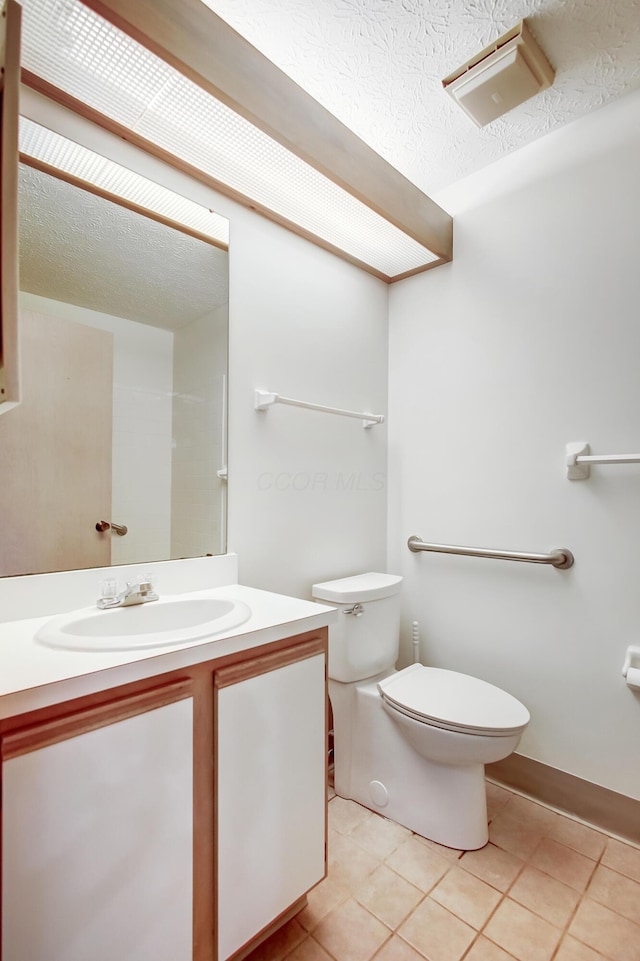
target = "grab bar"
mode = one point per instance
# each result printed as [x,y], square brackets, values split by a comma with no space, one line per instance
[560,558]
[266,398]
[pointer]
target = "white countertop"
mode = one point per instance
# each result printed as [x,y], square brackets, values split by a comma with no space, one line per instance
[33,676]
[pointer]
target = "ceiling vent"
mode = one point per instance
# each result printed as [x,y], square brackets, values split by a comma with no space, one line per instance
[501,76]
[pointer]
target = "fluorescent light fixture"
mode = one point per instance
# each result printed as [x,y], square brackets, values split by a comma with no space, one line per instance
[57,151]
[74,49]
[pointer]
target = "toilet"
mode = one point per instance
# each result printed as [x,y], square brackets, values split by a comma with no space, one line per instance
[410,744]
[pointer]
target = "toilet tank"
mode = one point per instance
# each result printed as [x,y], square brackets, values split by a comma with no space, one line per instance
[362,644]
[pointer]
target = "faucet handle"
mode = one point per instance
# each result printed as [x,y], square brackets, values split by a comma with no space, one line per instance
[141,581]
[147,588]
[109,589]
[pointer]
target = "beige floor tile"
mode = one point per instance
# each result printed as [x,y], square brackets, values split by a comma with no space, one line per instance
[394,896]
[578,836]
[309,950]
[510,831]
[281,942]
[497,797]
[572,950]
[379,836]
[563,863]
[388,896]
[320,900]
[493,865]
[617,892]
[485,950]
[521,933]
[606,932]
[395,949]
[623,858]
[418,864]
[349,864]
[345,815]
[350,933]
[544,895]
[531,812]
[451,854]
[466,896]
[436,933]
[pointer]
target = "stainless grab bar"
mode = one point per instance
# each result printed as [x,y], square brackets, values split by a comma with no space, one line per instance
[560,558]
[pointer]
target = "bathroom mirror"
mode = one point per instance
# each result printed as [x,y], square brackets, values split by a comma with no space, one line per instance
[123,326]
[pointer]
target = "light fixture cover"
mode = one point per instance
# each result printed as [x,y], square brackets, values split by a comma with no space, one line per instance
[62,154]
[501,76]
[71,47]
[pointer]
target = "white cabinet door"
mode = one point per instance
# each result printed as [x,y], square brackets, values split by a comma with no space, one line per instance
[271,782]
[97,837]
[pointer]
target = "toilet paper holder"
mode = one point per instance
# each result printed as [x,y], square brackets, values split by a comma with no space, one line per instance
[631,666]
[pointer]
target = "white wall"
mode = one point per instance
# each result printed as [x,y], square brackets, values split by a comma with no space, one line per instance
[198,495]
[528,340]
[142,392]
[307,491]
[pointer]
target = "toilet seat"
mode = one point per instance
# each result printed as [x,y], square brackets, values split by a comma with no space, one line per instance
[453,701]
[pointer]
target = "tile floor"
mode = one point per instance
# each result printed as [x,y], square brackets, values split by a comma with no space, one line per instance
[545,888]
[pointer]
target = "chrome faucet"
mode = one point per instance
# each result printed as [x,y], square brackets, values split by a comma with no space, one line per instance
[135,592]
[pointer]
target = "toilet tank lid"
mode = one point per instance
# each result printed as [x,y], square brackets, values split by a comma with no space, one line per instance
[361,587]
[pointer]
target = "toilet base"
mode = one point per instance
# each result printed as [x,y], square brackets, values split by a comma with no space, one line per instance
[461,825]
[379,769]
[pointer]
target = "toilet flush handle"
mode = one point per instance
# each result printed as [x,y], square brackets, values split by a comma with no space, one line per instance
[357,610]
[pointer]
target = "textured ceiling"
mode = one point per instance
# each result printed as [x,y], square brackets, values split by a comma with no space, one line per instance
[81,249]
[377,65]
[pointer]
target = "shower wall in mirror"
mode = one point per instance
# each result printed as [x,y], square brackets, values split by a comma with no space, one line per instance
[123,336]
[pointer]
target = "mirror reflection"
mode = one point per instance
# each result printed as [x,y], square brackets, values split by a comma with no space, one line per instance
[122,420]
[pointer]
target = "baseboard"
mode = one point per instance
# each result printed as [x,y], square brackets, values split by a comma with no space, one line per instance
[611,812]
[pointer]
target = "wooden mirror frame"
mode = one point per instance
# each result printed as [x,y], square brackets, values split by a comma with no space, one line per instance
[9,112]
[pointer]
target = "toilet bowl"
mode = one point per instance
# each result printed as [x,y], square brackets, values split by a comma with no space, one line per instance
[410,744]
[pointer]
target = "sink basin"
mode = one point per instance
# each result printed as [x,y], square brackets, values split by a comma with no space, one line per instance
[155,624]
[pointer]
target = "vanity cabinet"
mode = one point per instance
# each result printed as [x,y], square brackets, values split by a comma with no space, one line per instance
[178,818]
[97,833]
[271,789]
